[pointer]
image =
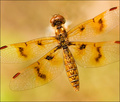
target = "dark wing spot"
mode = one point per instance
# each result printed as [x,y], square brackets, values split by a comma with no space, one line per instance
[94,45]
[93,20]
[21,51]
[82,28]
[3,47]
[98,49]
[97,58]
[113,8]
[39,43]
[16,75]
[37,68]
[71,43]
[25,43]
[49,57]
[43,76]
[100,21]
[83,46]
[99,54]
[101,24]
[38,63]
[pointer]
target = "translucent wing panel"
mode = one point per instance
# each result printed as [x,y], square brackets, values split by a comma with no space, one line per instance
[95,54]
[41,72]
[27,51]
[95,27]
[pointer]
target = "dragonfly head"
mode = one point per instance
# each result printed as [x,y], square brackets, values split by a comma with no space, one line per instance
[57,20]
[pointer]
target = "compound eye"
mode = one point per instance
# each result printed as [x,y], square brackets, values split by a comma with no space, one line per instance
[57,20]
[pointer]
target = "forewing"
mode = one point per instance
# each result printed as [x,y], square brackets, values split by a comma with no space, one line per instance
[27,51]
[39,73]
[88,54]
[95,27]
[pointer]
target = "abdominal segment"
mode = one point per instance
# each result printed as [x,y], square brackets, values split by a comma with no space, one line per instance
[71,68]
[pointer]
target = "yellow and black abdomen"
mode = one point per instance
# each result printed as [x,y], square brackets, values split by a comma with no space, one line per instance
[71,68]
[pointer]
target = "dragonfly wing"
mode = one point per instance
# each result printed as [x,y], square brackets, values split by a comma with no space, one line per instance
[89,54]
[39,73]
[27,51]
[95,27]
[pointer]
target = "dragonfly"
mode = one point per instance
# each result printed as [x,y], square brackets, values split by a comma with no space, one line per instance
[67,49]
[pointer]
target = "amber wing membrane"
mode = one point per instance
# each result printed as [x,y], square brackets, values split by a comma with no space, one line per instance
[95,27]
[39,73]
[90,54]
[27,51]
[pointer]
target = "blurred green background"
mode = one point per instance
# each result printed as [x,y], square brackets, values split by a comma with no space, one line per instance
[26,20]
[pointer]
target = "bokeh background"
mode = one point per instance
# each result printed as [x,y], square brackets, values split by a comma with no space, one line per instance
[26,20]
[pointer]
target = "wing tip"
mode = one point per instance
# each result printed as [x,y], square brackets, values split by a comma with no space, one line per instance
[16,75]
[118,42]
[113,8]
[3,47]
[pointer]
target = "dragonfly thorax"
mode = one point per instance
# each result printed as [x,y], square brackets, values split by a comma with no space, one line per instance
[57,21]
[61,36]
